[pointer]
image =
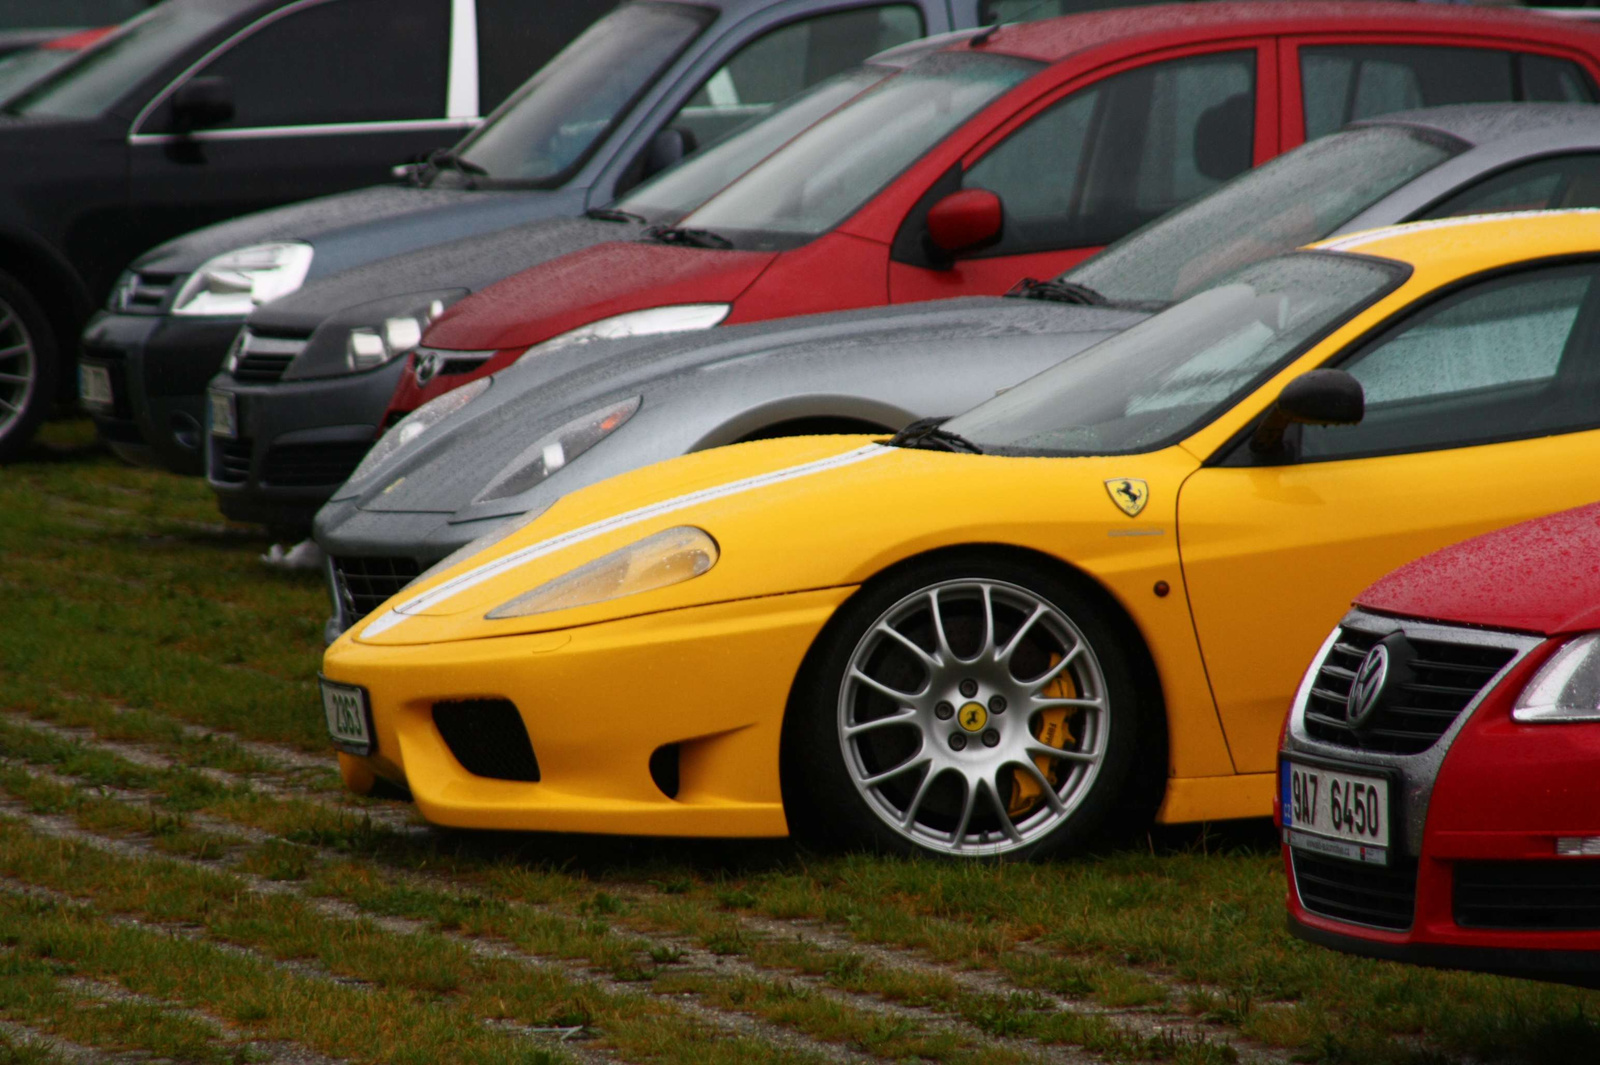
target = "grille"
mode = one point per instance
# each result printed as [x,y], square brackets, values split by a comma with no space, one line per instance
[263,360]
[1381,896]
[488,738]
[142,293]
[365,583]
[230,460]
[311,465]
[1413,713]
[1532,895]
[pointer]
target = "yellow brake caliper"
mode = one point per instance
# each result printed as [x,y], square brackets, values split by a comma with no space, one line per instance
[1053,732]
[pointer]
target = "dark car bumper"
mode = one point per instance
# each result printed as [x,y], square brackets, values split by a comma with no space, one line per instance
[158,366]
[297,441]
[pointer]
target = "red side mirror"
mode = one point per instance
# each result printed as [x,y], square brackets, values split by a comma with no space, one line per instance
[965,220]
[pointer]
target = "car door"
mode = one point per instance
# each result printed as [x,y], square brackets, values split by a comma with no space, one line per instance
[1483,409]
[1334,80]
[327,95]
[1089,164]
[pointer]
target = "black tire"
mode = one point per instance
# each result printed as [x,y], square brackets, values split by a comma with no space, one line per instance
[823,799]
[24,406]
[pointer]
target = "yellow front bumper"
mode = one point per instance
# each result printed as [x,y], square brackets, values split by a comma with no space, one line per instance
[597,701]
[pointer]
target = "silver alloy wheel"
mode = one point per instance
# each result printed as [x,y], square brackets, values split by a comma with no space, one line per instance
[940,733]
[18,369]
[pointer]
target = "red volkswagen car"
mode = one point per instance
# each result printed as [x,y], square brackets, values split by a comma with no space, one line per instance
[961,166]
[1440,770]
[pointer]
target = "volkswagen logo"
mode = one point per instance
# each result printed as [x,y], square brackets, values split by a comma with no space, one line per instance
[1367,686]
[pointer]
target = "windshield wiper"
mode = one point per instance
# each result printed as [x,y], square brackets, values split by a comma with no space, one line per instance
[444,159]
[689,238]
[1057,291]
[611,214]
[925,432]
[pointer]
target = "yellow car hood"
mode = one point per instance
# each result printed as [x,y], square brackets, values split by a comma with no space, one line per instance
[796,514]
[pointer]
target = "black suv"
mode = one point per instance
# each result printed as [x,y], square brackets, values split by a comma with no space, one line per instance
[200,110]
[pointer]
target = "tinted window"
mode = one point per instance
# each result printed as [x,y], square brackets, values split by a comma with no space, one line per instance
[780,63]
[342,61]
[44,14]
[553,123]
[515,39]
[1545,184]
[1297,198]
[1344,83]
[1504,358]
[1122,152]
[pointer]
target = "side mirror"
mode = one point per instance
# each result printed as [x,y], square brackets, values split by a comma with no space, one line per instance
[202,102]
[965,220]
[667,147]
[1320,397]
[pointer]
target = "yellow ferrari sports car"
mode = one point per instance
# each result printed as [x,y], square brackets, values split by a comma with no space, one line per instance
[1088,599]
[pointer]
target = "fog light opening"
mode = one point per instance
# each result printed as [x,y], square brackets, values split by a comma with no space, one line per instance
[664,769]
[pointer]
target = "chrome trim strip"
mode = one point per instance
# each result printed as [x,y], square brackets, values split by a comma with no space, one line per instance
[461,99]
[1417,771]
[331,129]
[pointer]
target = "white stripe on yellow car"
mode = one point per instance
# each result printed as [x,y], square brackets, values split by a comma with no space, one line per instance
[490,570]
[1367,236]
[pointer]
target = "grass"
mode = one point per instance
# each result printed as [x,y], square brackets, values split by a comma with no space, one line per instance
[136,615]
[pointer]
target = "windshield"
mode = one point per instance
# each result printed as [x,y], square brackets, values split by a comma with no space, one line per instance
[1300,197]
[679,190]
[1167,376]
[21,69]
[100,76]
[559,116]
[821,177]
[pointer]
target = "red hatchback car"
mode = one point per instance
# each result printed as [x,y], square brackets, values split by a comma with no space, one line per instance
[965,164]
[1440,770]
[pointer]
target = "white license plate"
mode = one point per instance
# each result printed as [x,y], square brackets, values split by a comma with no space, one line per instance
[94,386]
[224,413]
[1332,812]
[349,717]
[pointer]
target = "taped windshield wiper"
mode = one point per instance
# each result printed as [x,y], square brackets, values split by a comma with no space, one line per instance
[444,159]
[925,432]
[611,214]
[689,238]
[1057,291]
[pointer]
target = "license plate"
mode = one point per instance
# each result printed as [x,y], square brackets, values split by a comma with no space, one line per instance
[94,386]
[1336,813]
[349,717]
[224,414]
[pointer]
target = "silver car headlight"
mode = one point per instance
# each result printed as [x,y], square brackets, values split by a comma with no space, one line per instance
[554,450]
[416,423]
[234,284]
[369,347]
[1566,688]
[680,318]
[667,558]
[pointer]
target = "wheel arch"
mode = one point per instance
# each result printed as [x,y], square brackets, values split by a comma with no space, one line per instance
[805,415]
[60,292]
[1150,774]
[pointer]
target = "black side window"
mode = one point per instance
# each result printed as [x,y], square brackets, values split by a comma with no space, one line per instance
[1342,83]
[783,61]
[1542,185]
[342,61]
[1121,152]
[516,38]
[1511,357]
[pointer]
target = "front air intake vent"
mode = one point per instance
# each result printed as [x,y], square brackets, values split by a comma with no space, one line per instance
[1375,895]
[1554,896]
[264,360]
[1430,682]
[488,738]
[365,583]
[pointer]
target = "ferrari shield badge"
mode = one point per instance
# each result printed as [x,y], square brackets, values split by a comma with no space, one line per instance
[1129,493]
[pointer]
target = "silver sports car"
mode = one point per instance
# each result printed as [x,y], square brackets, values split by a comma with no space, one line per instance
[476,462]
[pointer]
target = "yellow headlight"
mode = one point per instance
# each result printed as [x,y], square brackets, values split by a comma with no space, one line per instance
[670,557]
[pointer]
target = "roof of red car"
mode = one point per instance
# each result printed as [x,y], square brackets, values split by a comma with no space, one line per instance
[1541,576]
[1049,40]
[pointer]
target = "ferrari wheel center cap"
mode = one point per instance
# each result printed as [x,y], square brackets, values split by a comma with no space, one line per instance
[973,716]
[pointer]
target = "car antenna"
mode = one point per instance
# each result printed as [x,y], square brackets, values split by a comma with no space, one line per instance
[993,27]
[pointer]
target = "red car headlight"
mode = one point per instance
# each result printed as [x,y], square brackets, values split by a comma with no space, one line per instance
[1566,688]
